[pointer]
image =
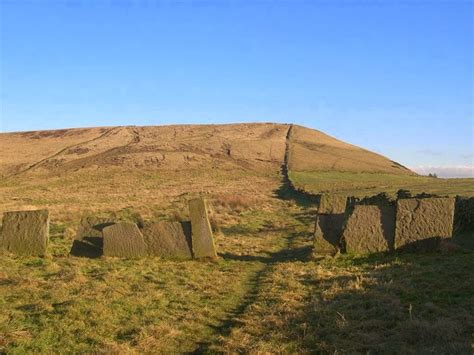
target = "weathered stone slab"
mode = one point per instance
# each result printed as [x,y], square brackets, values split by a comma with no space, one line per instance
[332,204]
[168,239]
[369,229]
[464,214]
[92,226]
[124,240]
[25,232]
[327,233]
[88,241]
[202,239]
[421,220]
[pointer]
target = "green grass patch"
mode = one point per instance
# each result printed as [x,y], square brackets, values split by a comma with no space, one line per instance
[366,184]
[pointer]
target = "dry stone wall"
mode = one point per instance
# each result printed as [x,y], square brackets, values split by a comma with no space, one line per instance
[332,204]
[25,232]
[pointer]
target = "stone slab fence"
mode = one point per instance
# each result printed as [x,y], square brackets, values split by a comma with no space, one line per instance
[27,233]
[330,218]
[369,229]
[422,222]
[379,223]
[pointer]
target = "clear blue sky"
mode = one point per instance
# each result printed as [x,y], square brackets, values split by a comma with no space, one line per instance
[392,76]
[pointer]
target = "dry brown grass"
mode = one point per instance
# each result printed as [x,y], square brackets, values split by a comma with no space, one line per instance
[311,150]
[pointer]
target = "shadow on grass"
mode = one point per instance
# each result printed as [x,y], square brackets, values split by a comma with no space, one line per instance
[88,247]
[403,303]
[291,252]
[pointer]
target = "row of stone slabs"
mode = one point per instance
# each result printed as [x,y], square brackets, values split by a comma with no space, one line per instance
[408,223]
[27,233]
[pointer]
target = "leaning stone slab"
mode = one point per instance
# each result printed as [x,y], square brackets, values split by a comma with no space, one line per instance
[369,229]
[423,221]
[25,232]
[91,227]
[202,240]
[88,241]
[124,240]
[168,239]
[327,233]
[332,204]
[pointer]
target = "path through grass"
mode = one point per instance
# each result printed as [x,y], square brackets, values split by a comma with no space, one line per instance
[264,294]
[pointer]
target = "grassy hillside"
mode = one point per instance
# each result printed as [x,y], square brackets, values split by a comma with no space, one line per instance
[311,150]
[265,293]
[318,163]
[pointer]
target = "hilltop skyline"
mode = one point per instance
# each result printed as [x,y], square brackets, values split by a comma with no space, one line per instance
[395,78]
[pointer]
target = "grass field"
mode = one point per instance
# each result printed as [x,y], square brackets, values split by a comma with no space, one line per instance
[367,184]
[264,294]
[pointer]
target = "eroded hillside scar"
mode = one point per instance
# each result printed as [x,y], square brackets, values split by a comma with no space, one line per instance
[38,163]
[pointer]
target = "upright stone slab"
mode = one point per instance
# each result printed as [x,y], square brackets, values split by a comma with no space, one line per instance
[25,232]
[327,233]
[421,221]
[369,229]
[464,214]
[124,240]
[168,239]
[202,240]
[332,204]
[88,241]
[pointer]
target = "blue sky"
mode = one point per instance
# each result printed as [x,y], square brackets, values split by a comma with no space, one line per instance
[395,77]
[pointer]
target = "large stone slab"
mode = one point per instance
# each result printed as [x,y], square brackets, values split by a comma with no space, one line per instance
[421,222]
[369,229]
[25,232]
[202,239]
[168,239]
[88,241]
[124,240]
[464,214]
[332,204]
[327,233]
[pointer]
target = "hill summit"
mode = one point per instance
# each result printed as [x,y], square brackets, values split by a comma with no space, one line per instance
[255,146]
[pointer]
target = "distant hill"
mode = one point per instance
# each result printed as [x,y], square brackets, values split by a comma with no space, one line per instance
[311,150]
[254,147]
